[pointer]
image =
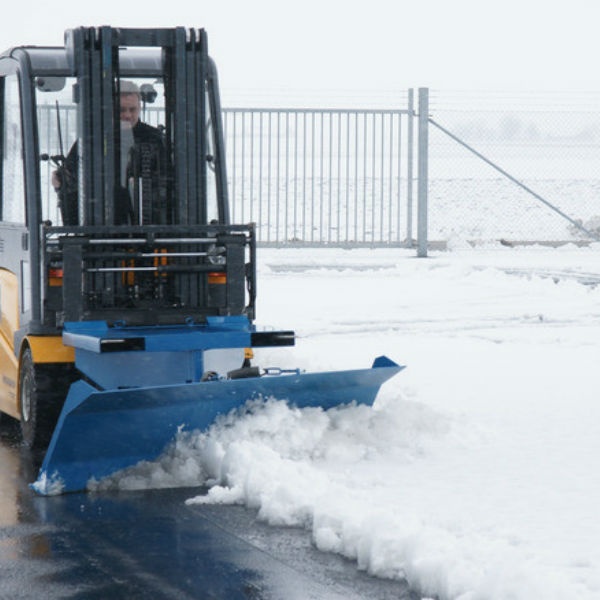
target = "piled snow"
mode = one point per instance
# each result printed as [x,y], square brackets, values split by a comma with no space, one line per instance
[49,485]
[475,474]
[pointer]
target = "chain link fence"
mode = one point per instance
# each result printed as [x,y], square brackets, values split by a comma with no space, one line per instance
[519,168]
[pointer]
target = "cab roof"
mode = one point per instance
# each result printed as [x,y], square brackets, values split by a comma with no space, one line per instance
[47,60]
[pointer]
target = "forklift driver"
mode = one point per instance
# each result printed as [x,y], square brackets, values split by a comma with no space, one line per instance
[143,157]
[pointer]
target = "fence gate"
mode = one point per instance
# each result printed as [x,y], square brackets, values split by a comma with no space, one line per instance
[322,177]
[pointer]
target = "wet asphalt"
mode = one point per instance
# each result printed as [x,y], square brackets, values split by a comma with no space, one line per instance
[151,545]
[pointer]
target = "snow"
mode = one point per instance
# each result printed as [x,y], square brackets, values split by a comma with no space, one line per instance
[475,474]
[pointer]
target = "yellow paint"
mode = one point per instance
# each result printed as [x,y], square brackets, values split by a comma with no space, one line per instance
[50,349]
[45,349]
[9,323]
[9,374]
[9,304]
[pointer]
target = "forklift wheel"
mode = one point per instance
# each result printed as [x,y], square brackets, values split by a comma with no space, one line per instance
[42,391]
[28,396]
[39,406]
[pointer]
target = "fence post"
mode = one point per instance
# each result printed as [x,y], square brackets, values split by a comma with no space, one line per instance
[423,172]
[410,152]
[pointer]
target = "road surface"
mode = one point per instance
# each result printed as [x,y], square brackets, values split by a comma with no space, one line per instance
[151,545]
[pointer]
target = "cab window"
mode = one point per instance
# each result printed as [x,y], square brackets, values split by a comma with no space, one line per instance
[57,129]
[12,204]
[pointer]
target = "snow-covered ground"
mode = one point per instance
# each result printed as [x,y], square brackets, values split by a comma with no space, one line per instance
[475,475]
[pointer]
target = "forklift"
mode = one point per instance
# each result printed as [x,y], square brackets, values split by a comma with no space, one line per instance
[127,297]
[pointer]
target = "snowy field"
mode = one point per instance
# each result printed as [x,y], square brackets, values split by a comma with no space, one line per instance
[475,474]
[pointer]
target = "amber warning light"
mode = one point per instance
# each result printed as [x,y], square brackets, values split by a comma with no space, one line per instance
[55,276]
[217,278]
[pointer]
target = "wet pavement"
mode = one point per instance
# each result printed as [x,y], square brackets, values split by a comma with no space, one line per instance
[151,545]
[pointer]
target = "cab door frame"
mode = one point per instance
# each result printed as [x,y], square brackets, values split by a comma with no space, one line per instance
[18,64]
[15,263]
[20,281]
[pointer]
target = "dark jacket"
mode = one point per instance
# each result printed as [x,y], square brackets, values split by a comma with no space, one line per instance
[146,160]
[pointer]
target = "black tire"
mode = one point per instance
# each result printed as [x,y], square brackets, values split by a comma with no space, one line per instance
[42,390]
[28,400]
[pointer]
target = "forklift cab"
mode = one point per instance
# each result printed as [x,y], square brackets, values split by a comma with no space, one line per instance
[102,158]
[139,230]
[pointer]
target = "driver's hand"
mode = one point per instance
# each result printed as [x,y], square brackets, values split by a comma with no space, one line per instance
[56,180]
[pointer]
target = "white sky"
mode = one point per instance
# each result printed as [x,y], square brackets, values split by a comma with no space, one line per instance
[332,48]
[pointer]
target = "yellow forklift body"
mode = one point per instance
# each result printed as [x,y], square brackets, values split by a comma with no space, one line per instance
[44,349]
[9,323]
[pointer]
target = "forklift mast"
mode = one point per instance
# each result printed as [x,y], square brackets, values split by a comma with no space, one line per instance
[142,233]
[191,104]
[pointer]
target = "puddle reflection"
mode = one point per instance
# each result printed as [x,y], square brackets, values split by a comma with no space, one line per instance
[17,469]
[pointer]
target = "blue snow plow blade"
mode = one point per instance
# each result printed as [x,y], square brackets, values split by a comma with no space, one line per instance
[100,432]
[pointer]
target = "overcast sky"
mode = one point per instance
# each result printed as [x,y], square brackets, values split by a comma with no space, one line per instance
[333,48]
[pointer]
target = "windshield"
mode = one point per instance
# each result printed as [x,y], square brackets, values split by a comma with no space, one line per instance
[145,154]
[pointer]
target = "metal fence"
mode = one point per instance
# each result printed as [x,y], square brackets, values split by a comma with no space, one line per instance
[451,169]
[317,177]
[446,169]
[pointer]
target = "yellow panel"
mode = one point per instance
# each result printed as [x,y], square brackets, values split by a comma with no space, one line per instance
[50,349]
[9,304]
[9,373]
[9,323]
